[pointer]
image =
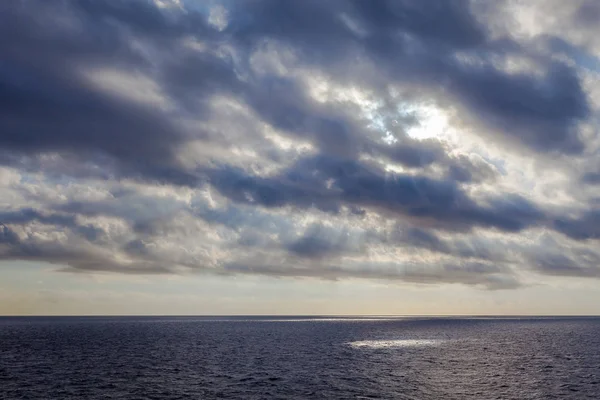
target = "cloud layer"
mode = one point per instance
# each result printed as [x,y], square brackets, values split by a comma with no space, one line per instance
[453,142]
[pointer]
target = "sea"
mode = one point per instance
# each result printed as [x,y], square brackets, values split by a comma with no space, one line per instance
[299,358]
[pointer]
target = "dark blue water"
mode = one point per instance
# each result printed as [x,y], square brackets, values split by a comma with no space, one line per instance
[298,358]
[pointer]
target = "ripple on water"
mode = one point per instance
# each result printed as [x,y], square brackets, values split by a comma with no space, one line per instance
[172,358]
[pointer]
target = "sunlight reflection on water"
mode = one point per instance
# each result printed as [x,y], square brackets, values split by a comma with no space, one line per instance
[381,344]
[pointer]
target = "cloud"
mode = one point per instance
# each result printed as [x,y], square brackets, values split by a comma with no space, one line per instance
[337,140]
[327,183]
[581,228]
[477,274]
[559,259]
[440,48]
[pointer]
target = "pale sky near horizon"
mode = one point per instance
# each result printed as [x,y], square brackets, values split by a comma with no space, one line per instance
[337,157]
[37,289]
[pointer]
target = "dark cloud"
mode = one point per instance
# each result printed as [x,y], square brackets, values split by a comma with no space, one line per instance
[539,112]
[415,18]
[79,246]
[413,153]
[326,183]
[557,264]
[550,262]
[585,227]
[591,178]
[8,236]
[465,169]
[419,45]
[46,112]
[125,205]
[422,239]
[587,13]
[469,248]
[47,103]
[228,116]
[334,129]
[69,221]
[320,242]
[315,247]
[46,109]
[27,215]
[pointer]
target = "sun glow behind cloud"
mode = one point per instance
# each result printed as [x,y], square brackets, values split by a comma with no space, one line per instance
[431,122]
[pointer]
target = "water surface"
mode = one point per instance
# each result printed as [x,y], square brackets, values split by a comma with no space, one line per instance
[299,357]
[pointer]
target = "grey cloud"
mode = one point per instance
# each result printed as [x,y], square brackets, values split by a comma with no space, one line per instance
[419,44]
[53,122]
[285,104]
[585,227]
[128,206]
[413,153]
[442,203]
[542,113]
[471,247]
[467,169]
[28,215]
[397,51]
[591,178]
[47,105]
[25,216]
[482,275]
[319,241]
[422,239]
[549,262]
[8,237]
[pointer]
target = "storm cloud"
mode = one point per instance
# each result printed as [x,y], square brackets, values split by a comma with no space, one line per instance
[438,143]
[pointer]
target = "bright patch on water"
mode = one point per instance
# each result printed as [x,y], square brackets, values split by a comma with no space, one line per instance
[383,344]
[341,319]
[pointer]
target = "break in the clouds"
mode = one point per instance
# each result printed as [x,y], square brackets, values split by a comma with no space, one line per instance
[436,142]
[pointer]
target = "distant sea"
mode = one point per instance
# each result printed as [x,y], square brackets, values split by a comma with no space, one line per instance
[299,358]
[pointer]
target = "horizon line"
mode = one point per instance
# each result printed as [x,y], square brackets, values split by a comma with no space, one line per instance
[307,315]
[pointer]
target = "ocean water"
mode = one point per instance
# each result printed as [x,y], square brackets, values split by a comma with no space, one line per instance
[299,358]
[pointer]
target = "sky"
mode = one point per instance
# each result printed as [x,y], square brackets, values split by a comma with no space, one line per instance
[299,157]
